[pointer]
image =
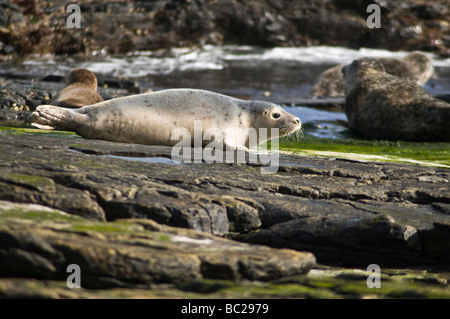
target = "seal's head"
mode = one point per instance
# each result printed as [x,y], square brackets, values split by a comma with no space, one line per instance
[421,66]
[359,69]
[273,116]
[363,66]
[82,76]
[420,59]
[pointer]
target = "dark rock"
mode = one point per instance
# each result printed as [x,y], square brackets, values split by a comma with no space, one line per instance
[142,25]
[331,207]
[41,189]
[19,263]
[334,240]
[52,78]
[10,99]
[25,99]
[443,97]
[181,210]
[242,213]
[130,253]
[430,11]
[10,14]
[443,208]
[336,102]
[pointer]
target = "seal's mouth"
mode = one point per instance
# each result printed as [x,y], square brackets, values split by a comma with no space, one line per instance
[289,129]
[294,136]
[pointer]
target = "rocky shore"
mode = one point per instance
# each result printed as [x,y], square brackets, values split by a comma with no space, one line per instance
[118,27]
[140,225]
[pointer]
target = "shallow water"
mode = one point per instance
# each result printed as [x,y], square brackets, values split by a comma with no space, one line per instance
[236,70]
[161,160]
[280,75]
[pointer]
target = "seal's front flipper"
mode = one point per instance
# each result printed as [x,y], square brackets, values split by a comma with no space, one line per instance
[50,116]
[235,147]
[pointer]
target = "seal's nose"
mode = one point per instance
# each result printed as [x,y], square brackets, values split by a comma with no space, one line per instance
[297,120]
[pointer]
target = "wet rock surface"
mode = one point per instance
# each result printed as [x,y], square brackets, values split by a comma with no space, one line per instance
[331,202]
[118,27]
[104,206]
[130,253]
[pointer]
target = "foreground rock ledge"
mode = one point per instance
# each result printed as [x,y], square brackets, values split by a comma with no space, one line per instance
[38,242]
[345,212]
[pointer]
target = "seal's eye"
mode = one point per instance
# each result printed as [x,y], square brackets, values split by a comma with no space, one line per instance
[276,115]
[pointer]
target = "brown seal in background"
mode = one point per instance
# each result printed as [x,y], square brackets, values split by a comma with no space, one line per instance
[80,90]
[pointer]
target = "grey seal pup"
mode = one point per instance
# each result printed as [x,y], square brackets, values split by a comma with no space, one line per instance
[416,67]
[80,90]
[152,118]
[382,106]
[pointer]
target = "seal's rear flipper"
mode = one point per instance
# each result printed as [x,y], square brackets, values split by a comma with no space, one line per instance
[51,117]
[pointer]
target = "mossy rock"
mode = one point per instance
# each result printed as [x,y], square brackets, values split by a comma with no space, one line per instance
[427,154]
[37,132]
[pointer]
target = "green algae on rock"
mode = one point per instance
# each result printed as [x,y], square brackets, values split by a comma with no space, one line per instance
[37,132]
[427,154]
